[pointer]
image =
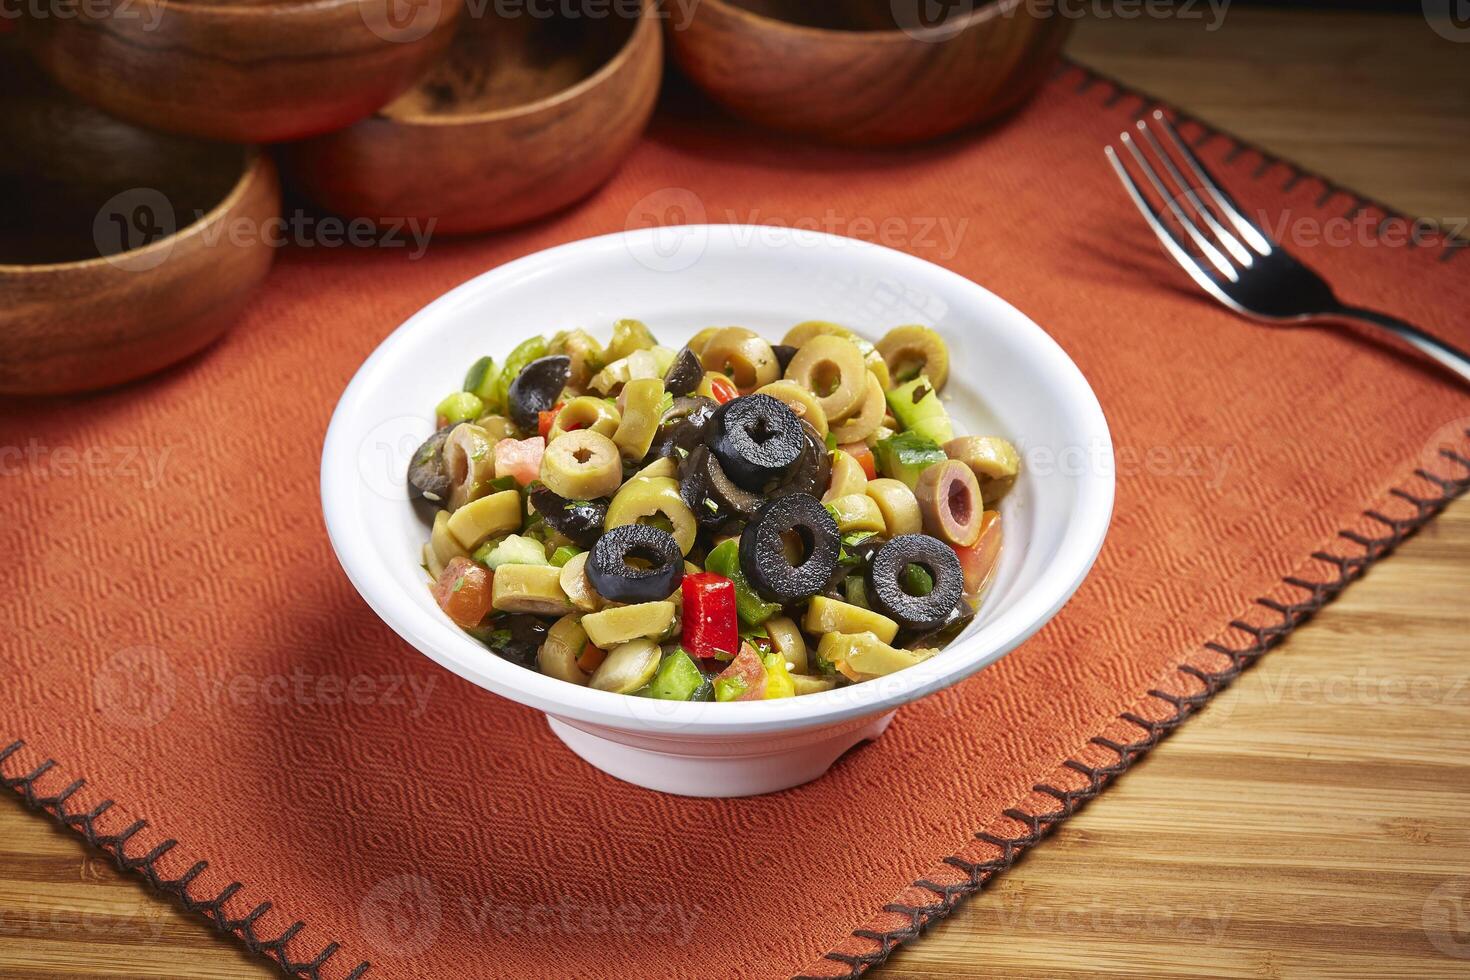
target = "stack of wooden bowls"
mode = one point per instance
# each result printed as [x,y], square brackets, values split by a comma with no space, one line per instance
[137,126]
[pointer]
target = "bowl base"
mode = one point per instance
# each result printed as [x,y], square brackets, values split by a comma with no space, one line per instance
[716,768]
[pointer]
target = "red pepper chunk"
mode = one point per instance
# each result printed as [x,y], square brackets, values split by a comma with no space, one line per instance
[723,389]
[545,420]
[710,625]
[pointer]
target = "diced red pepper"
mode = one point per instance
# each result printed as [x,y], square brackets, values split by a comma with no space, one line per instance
[710,624]
[864,456]
[591,657]
[722,388]
[545,420]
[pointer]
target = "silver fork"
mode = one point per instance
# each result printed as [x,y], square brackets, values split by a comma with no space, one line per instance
[1240,265]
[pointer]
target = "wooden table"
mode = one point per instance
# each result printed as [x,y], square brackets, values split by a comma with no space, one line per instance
[1327,793]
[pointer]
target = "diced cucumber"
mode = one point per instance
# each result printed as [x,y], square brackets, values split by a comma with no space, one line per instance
[459,406]
[564,554]
[516,550]
[907,455]
[916,405]
[481,377]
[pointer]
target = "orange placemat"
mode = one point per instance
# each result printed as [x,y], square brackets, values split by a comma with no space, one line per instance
[252,739]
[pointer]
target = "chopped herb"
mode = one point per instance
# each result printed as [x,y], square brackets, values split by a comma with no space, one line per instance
[458,584]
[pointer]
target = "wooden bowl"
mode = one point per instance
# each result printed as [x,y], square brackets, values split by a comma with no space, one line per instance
[248,71]
[521,116]
[124,250]
[867,72]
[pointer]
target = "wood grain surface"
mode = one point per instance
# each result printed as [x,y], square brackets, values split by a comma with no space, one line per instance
[1314,820]
[873,83]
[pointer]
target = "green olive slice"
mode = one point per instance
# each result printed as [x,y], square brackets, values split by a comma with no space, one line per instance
[627,668]
[799,335]
[914,350]
[628,336]
[585,412]
[898,505]
[949,498]
[642,399]
[832,368]
[788,641]
[994,461]
[642,620]
[582,465]
[646,496]
[868,416]
[578,589]
[742,355]
[856,512]
[534,589]
[800,400]
[469,460]
[561,648]
[847,477]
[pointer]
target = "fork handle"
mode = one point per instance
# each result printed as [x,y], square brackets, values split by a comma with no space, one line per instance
[1445,353]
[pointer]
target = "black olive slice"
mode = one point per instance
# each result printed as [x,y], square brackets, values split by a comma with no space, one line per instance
[885,581]
[580,520]
[812,470]
[682,427]
[784,353]
[613,578]
[942,637]
[713,498]
[527,633]
[756,439]
[763,548]
[536,389]
[427,476]
[684,374]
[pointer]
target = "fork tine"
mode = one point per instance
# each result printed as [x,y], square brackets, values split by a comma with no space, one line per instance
[1231,210]
[1166,236]
[1232,244]
[1212,253]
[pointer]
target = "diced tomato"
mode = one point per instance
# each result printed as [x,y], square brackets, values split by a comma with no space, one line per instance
[744,679]
[463,591]
[722,388]
[519,458]
[860,452]
[591,658]
[980,560]
[711,627]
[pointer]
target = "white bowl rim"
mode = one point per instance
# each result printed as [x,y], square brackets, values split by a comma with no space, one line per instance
[340,488]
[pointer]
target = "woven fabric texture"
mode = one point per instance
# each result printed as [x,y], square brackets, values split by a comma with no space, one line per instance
[178,633]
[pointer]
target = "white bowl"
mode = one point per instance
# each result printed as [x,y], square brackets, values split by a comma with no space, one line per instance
[1007,377]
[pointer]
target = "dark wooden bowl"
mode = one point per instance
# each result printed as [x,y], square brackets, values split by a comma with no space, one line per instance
[520,117]
[867,72]
[124,249]
[249,71]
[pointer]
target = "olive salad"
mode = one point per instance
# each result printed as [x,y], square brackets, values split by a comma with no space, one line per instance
[731,521]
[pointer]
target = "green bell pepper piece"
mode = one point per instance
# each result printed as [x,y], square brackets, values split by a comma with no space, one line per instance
[749,606]
[679,679]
